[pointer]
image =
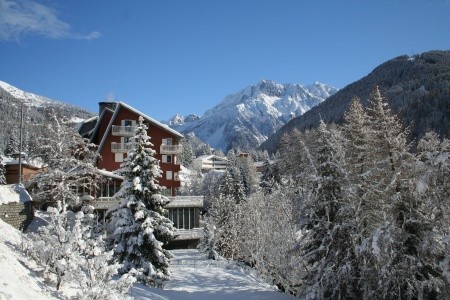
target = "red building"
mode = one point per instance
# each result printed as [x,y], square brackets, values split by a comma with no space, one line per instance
[113,130]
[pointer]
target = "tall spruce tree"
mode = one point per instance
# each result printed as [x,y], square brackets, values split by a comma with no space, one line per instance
[12,146]
[326,247]
[138,226]
[270,178]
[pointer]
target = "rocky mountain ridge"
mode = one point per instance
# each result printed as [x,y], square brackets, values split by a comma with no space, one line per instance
[247,118]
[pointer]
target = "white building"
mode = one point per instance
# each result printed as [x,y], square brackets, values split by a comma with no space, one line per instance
[207,163]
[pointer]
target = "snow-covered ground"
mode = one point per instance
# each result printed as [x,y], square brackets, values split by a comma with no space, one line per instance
[193,277]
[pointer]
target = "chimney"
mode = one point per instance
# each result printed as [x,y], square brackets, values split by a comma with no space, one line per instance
[103,105]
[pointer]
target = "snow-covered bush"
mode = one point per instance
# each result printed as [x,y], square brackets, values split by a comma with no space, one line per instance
[70,251]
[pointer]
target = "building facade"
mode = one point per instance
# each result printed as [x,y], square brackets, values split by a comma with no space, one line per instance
[207,163]
[113,132]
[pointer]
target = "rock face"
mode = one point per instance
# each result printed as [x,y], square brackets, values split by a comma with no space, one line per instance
[417,88]
[247,118]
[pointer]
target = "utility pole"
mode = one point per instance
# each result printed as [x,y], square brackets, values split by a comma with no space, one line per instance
[20,143]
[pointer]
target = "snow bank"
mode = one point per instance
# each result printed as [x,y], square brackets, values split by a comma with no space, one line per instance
[13,193]
[17,280]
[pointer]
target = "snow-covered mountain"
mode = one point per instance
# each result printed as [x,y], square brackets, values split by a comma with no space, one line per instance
[35,112]
[15,94]
[245,119]
[27,98]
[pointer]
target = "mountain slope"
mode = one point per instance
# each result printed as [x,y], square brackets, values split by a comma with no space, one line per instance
[417,88]
[35,110]
[245,119]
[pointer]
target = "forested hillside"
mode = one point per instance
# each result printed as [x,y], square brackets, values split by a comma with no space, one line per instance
[417,88]
[36,111]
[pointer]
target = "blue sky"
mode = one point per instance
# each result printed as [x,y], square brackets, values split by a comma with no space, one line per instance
[168,57]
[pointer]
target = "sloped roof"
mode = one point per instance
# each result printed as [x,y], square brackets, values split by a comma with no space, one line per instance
[209,157]
[97,125]
[126,106]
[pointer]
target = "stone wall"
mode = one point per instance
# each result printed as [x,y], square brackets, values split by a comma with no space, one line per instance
[18,214]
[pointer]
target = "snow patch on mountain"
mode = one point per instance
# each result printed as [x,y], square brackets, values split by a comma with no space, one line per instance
[29,99]
[246,119]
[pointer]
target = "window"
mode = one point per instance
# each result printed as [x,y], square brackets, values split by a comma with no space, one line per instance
[167,158]
[167,142]
[167,192]
[184,218]
[118,157]
[169,175]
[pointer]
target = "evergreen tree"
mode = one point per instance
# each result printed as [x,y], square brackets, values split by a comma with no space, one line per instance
[12,145]
[208,242]
[399,258]
[326,247]
[270,178]
[224,213]
[239,188]
[138,228]
[187,155]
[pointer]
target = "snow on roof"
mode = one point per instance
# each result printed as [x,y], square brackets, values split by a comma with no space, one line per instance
[210,156]
[13,193]
[159,124]
[36,163]
[185,201]
[108,174]
[90,119]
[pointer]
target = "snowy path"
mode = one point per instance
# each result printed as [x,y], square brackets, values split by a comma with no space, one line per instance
[194,277]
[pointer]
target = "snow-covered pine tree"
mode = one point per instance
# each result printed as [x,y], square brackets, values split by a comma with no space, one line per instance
[187,155]
[207,243]
[138,227]
[401,253]
[296,160]
[12,146]
[224,213]
[70,174]
[270,178]
[2,171]
[248,173]
[326,247]
[239,194]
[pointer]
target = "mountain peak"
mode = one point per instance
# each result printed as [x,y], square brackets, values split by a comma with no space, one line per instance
[245,119]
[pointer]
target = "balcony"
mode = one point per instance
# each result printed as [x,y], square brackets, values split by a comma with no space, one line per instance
[123,130]
[121,147]
[171,149]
